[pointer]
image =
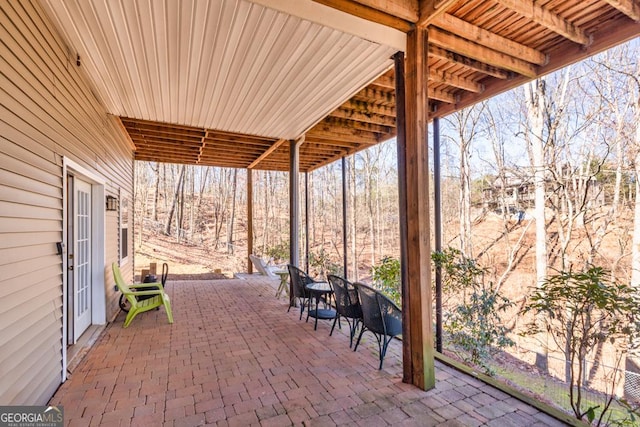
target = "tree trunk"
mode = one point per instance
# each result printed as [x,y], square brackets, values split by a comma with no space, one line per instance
[535,100]
[233,212]
[156,192]
[466,245]
[180,216]
[535,97]
[167,224]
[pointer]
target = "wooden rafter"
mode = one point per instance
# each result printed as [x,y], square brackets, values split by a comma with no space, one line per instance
[430,10]
[468,62]
[603,40]
[472,50]
[343,135]
[264,155]
[440,95]
[366,108]
[385,81]
[150,143]
[370,13]
[631,8]
[203,144]
[442,77]
[356,124]
[363,117]
[404,9]
[488,39]
[376,96]
[548,19]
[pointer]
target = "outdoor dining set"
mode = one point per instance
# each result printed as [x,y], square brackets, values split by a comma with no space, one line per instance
[363,307]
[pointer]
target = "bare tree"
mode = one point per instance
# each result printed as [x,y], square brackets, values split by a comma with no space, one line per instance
[466,126]
[234,191]
[535,100]
[167,224]
[156,190]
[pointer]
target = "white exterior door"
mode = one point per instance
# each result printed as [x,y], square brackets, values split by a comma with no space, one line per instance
[81,258]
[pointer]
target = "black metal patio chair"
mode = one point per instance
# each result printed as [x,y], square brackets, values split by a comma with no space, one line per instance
[347,305]
[299,279]
[379,316]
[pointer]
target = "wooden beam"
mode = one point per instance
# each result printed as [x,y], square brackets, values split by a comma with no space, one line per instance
[442,77]
[168,148]
[266,153]
[440,95]
[172,145]
[418,357]
[488,39]
[320,144]
[631,8]
[404,9]
[337,122]
[605,39]
[480,53]
[369,13]
[385,81]
[167,133]
[140,123]
[342,134]
[367,108]
[548,19]
[203,144]
[178,158]
[376,96]
[363,117]
[118,121]
[430,10]
[458,59]
[139,138]
[238,137]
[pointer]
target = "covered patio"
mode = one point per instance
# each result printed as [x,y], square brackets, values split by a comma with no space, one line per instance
[235,357]
[90,87]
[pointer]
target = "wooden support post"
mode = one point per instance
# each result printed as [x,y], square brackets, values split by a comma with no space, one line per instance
[437,224]
[306,221]
[249,219]
[294,208]
[344,218]
[413,171]
[401,143]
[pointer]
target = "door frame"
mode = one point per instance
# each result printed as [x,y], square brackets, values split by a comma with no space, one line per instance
[98,291]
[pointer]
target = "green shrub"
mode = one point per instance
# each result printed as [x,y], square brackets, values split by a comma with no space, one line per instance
[386,278]
[473,325]
[581,311]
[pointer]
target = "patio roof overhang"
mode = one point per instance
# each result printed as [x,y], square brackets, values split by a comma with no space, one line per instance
[226,83]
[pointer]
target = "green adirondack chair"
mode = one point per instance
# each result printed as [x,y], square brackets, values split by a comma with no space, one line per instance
[159,297]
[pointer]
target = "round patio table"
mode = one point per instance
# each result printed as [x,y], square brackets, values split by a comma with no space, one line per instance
[319,291]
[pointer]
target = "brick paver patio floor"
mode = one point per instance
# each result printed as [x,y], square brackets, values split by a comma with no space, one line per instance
[235,357]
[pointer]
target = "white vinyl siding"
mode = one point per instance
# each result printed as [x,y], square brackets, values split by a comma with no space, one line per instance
[47,112]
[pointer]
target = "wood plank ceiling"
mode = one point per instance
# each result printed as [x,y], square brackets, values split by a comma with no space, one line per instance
[229,83]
